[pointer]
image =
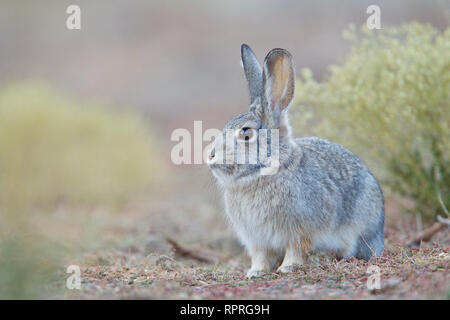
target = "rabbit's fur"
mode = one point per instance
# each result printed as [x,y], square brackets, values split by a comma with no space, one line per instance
[321,197]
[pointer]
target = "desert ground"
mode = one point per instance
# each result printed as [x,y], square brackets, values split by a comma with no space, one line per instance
[180,247]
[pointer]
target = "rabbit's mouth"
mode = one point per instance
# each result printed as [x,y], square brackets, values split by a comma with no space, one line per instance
[234,172]
[226,169]
[222,172]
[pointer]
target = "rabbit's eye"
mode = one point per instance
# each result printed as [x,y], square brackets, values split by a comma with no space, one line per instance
[246,134]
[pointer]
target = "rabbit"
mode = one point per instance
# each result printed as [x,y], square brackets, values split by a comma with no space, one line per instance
[321,197]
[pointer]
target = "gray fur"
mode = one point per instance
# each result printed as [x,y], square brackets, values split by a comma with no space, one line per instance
[252,71]
[322,197]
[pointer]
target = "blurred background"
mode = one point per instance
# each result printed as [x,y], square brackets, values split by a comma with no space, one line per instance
[86,117]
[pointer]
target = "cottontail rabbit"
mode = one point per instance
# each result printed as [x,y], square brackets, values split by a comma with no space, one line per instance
[321,196]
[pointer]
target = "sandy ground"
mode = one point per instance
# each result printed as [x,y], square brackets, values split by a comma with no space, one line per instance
[138,260]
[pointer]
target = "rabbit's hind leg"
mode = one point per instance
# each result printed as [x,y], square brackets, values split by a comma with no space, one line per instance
[363,246]
[371,241]
[370,244]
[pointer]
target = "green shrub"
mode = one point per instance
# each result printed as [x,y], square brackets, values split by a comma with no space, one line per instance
[57,151]
[53,149]
[389,102]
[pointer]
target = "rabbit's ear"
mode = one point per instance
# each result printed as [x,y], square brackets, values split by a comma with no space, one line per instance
[278,80]
[253,72]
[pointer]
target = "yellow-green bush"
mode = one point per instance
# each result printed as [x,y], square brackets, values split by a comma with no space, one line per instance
[52,149]
[57,151]
[389,102]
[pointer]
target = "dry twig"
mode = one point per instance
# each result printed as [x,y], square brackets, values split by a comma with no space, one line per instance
[199,254]
[428,233]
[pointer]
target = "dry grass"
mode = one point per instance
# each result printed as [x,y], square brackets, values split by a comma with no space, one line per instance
[405,274]
[143,264]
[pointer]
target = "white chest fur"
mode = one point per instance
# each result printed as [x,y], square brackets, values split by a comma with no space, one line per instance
[257,222]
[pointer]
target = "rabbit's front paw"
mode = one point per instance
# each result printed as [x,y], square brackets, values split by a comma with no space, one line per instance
[288,268]
[292,259]
[252,274]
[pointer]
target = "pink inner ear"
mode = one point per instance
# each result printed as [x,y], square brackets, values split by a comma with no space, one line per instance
[280,82]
